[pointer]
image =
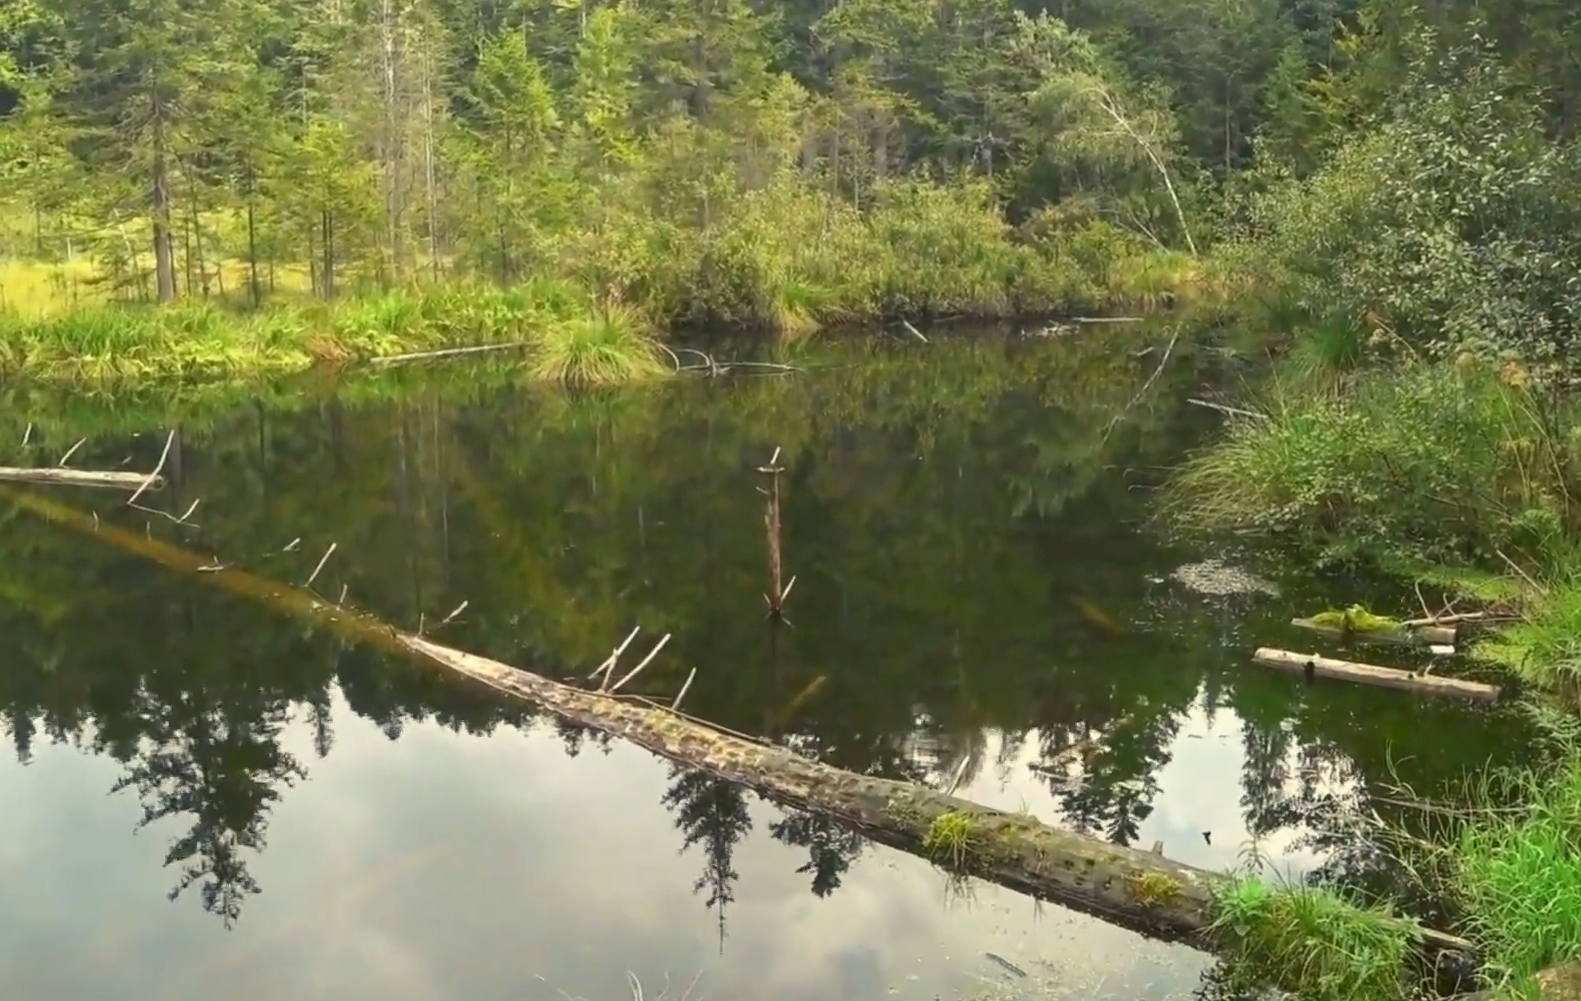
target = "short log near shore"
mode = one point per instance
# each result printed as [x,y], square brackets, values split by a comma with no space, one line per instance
[1428,635]
[1140,890]
[58,476]
[1315,665]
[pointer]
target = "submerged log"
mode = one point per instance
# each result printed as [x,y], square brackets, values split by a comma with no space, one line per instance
[1135,889]
[1314,665]
[1403,634]
[57,476]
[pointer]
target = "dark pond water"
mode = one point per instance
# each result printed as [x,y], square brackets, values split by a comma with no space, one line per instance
[205,797]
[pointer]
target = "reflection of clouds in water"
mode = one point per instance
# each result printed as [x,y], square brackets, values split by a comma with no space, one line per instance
[442,866]
[1199,790]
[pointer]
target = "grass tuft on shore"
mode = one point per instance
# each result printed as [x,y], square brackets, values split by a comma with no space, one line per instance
[1313,942]
[611,347]
[1433,463]
[1518,869]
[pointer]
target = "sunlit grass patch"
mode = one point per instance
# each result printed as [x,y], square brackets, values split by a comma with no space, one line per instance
[610,347]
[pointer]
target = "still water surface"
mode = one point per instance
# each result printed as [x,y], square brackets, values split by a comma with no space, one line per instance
[978,588]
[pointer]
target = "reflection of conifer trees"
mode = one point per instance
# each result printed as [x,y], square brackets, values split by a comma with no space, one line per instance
[714,813]
[319,719]
[1264,775]
[574,735]
[831,847]
[1117,791]
[223,765]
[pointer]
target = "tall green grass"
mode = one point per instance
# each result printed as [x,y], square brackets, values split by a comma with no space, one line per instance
[116,346]
[1433,463]
[1313,942]
[1513,858]
[611,347]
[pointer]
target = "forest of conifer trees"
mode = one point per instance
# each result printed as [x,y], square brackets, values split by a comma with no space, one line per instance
[704,157]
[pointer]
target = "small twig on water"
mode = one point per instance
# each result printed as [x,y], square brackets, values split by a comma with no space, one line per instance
[343,589]
[70,452]
[182,520]
[1169,351]
[292,544]
[645,662]
[169,517]
[27,435]
[319,569]
[675,703]
[169,440]
[609,665]
[913,331]
[452,616]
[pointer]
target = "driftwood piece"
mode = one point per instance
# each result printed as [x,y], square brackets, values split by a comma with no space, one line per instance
[1315,665]
[1403,634]
[1135,889]
[56,476]
[446,353]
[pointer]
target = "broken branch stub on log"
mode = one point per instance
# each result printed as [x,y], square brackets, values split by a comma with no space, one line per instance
[1135,889]
[59,476]
[1315,665]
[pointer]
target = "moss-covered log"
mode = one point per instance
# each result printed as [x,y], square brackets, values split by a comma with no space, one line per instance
[1139,890]
[1400,634]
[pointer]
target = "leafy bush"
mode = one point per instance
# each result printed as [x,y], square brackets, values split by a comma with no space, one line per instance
[1457,224]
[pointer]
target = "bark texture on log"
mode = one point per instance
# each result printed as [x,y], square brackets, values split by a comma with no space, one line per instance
[1135,889]
[54,476]
[1369,674]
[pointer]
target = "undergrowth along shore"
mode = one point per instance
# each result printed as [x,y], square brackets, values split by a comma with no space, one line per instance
[774,265]
[1465,477]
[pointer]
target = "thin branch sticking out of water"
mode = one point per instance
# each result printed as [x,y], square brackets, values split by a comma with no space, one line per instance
[608,667]
[170,439]
[320,568]
[71,452]
[645,662]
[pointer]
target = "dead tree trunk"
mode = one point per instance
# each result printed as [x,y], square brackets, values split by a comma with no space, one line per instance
[1135,889]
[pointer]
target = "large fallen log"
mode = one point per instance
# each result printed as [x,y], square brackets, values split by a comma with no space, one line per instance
[1139,890]
[1314,665]
[58,476]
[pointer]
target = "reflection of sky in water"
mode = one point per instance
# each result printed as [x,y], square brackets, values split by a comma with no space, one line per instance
[443,865]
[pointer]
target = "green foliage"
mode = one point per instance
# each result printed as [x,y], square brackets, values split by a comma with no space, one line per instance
[1515,866]
[105,347]
[609,347]
[1452,222]
[1434,463]
[1313,942]
[1544,645]
[1356,618]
